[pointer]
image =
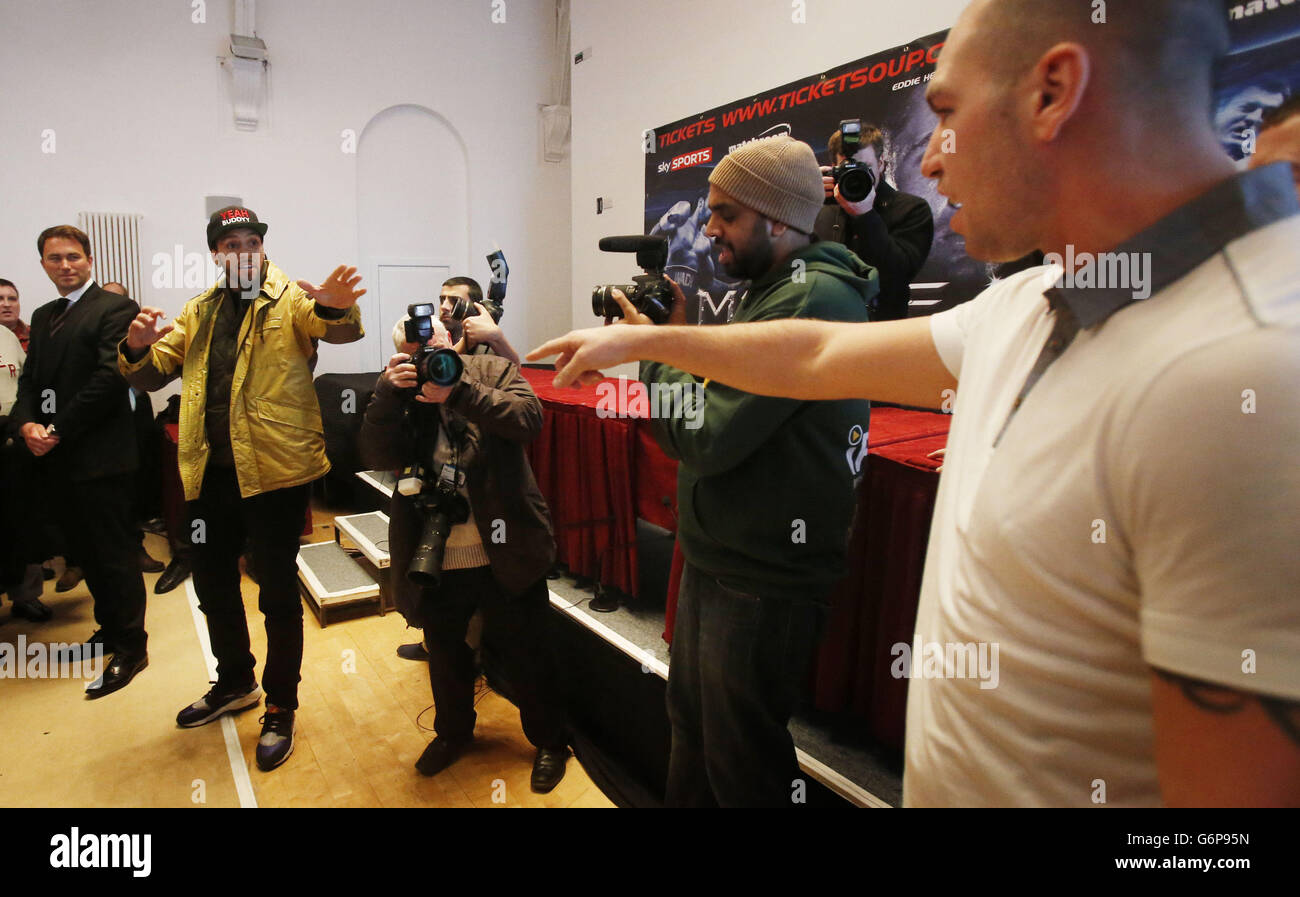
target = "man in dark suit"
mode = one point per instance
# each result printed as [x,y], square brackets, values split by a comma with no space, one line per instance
[73,413]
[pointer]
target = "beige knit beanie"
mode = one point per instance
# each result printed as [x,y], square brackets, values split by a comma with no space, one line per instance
[778,177]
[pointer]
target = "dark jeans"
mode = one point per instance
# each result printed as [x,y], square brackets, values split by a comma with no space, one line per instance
[272,521]
[95,518]
[739,665]
[516,629]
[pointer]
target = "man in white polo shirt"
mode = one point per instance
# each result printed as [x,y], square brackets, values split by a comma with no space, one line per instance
[1119,504]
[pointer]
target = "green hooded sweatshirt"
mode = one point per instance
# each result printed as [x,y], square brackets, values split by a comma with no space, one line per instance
[765,490]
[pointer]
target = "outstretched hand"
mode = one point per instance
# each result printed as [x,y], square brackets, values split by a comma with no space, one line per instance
[582,353]
[339,289]
[144,330]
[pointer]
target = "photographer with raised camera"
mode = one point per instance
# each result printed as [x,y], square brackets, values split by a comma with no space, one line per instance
[468,530]
[764,489]
[890,230]
[472,322]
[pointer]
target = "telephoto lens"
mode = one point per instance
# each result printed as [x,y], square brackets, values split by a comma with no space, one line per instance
[443,508]
[426,564]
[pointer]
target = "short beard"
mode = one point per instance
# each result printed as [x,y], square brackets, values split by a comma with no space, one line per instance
[756,260]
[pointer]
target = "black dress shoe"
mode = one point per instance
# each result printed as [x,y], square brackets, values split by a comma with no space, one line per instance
[548,769]
[176,573]
[120,671]
[86,648]
[441,753]
[149,564]
[413,651]
[71,578]
[31,609]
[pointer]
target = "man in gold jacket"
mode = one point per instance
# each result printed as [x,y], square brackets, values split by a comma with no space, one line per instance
[251,443]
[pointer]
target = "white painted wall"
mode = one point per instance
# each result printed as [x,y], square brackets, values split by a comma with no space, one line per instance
[654,63]
[131,90]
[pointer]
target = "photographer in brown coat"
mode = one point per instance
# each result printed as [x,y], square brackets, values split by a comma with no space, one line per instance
[470,437]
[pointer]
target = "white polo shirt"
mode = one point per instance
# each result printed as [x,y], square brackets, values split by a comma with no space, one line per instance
[1142,508]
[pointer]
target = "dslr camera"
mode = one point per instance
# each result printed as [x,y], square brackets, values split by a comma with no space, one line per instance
[442,508]
[650,293]
[442,367]
[855,179]
[495,299]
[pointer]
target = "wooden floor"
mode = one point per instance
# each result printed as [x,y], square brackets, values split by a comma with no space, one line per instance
[359,723]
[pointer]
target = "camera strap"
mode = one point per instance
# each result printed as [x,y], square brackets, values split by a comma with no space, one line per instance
[448,459]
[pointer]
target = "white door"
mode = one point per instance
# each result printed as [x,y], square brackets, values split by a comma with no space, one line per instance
[400,285]
[412,216]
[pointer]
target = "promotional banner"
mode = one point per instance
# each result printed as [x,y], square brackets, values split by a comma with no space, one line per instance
[888,90]
[1260,74]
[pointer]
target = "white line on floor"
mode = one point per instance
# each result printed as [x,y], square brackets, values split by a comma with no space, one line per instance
[243,784]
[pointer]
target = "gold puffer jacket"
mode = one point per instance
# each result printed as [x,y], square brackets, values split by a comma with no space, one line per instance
[275,423]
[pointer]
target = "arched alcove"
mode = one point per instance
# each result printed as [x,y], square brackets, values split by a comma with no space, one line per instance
[412,214]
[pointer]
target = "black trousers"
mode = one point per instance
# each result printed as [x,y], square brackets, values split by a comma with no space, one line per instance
[96,520]
[516,629]
[739,666]
[220,521]
[19,504]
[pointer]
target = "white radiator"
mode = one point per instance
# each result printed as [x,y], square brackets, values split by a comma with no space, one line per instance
[115,246]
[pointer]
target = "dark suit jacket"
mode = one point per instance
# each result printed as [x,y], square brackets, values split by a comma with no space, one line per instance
[87,401]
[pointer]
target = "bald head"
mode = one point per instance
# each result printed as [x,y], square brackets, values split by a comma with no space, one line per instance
[1160,53]
[1073,122]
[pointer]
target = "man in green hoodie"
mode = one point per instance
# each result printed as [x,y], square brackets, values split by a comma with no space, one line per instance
[765,493]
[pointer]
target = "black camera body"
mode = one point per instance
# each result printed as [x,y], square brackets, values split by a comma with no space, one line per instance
[442,507]
[442,367]
[495,300]
[855,179]
[650,293]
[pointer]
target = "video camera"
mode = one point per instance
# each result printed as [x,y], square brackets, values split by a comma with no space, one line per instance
[650,293]
[856,180]
[442,367]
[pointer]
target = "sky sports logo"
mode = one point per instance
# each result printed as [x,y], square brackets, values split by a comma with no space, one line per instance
[688,160]
[90,851]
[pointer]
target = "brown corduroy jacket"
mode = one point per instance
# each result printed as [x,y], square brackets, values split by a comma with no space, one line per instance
[503,415]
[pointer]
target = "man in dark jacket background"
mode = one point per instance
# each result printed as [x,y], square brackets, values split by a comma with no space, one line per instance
[470,437]
[890,230]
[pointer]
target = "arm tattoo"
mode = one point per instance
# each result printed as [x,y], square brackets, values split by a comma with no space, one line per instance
[1224,701]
